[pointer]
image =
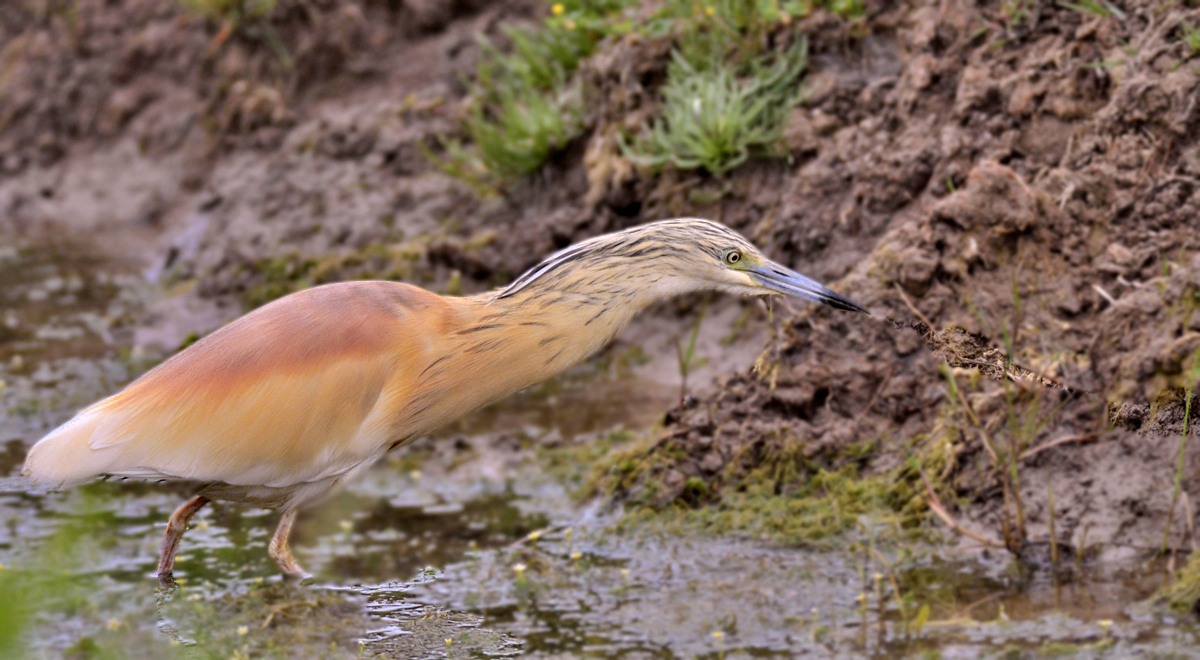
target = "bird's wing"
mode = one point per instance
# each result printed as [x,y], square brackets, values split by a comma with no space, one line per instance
[275,398]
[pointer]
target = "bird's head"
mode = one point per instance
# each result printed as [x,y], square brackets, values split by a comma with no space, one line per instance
[722,259]
[660,259]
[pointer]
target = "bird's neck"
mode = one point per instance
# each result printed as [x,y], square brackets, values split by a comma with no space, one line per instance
[542,331]
[495,346]
[556,330]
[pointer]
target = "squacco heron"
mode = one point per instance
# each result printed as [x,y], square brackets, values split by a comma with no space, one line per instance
[287,403]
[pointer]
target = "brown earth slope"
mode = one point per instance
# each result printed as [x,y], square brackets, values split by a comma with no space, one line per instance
[1028,189]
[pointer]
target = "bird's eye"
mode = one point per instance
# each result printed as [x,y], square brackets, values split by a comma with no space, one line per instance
[732,257]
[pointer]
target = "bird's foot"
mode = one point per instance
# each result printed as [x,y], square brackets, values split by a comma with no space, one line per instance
[176,526]
[291,569]
[166,579]
[295,574]
[281,552]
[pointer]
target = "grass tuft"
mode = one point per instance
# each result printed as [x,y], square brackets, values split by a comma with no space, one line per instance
[714,119]
[725,100]
[516,132]
[1101,8]
[525,104]
[250,18]
[1190,35]
[1183,593]
[232,11]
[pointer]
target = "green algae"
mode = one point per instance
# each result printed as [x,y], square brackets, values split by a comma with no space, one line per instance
[823,507]
[271,278]
[1182,592]
[785,496]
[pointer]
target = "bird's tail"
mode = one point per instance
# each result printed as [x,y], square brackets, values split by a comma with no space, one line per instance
[64,457]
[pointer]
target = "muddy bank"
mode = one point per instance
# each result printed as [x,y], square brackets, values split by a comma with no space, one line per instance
[1030,181]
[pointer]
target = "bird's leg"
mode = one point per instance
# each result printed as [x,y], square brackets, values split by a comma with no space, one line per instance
[281,552]
[176,526]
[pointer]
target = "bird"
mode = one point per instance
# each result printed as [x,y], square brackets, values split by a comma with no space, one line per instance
[284,405]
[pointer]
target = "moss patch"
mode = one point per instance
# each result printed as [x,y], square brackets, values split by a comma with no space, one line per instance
[774,489]
[269,279]
[575,463]
[1183,592]
[821,507]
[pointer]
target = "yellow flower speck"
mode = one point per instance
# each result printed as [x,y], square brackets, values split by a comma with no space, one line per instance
[718,635]
[415,474]
[519,569]
[242,630]
[449,641]
[861,598]
[534,536]
[114,624]
[258,580]
[878,577]
[567,532]
[576,556]
[557,9]
[346,525]
[625,573]
[710,11]
[1105,623]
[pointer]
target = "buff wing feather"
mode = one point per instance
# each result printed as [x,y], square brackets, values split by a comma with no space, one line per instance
[277,398]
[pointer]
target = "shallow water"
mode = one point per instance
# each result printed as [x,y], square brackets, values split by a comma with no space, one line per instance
[430,554]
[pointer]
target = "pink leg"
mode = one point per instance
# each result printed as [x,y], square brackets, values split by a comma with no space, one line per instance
[281,552]
[176,526]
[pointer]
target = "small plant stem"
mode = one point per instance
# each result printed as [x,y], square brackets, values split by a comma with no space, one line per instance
[1014,523]
[1189,518]
[1017,318]
[1082,547]
[687,357]
[1053,536]
[935,505]
[1014,485]
[895,586]
[1051,444]
[1183,441]
[971,416]
[913,308]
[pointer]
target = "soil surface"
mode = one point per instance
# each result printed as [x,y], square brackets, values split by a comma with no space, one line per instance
[1016,200]
[1029,193]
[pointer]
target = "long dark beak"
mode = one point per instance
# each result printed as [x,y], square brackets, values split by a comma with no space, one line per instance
[786,281]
